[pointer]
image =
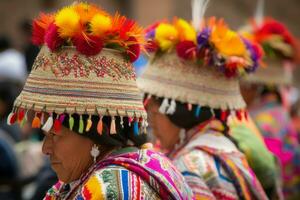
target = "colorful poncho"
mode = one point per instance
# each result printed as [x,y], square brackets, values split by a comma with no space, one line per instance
[126,174]
[213,167]
[250,141]
[281,138]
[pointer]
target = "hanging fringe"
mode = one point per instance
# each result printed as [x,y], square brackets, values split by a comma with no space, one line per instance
[121,121]
[259,12]
[197,111]
[21,115]
[172,108]
[100,126]
[12,118]
[89,124]
[113,126]
[57,124]
[198,11]
[136,127]
[145,125]
[48,125]
[212,113]
[36,122]
[81,125]
[164,106]
[71,122]
[239,115]
[223,115]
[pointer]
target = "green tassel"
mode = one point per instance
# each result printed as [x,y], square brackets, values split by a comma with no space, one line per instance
[23,122]
[71,122]
[81,125]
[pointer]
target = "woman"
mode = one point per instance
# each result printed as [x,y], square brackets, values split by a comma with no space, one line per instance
[267,104]
[84,97]
[192,88]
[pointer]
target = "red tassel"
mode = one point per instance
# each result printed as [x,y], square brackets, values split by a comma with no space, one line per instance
[239,115]
[13,118]
[21,115]
[57,125]
[223,115]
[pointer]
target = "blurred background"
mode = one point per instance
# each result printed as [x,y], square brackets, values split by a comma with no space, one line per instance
[25,173]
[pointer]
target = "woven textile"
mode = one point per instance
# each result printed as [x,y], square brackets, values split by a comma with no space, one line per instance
[66,81]
[132,174]
[214,168]
[171,77]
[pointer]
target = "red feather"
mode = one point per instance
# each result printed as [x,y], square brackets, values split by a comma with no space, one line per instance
[52,38]
[89,45]
[186,50]
[38,34]
[133,50]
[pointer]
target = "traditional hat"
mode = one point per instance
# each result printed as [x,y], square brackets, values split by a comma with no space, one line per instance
[84,67]
[280,49]
[197,64]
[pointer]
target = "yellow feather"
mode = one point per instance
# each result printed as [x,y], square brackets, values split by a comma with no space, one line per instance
[100,24]
[166,35]
[67,21]
[185,30]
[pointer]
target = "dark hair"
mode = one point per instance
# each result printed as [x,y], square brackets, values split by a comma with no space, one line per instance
[271,90]
[124,133]
[5,43]
[185,118]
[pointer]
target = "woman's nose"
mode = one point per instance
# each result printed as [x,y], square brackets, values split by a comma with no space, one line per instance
[47,145]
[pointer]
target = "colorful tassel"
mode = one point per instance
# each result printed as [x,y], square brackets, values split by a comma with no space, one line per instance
[57,125]
[113,126]
[136,127]
[21,115]
[145,125]
[121,121]
[212,113]
[100,126]
[89,124]
[36,122]
[12,118]
[71,122]
[48,125]
[198,111]
[81,125]
[172,108]
[164,106]
[223,115]
[190,106]
[238,115]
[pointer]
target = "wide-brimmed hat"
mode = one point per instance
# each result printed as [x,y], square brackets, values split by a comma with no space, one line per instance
[84,67]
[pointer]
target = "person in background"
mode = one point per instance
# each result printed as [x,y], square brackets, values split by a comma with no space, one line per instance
[191,90]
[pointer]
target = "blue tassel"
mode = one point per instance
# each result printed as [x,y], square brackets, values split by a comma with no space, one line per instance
[197,111]
[136,127]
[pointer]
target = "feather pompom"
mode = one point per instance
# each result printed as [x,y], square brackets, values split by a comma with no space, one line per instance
[100,24]
[52,38]
[133,50]
[87,11]
[186,50]
[185,30]
[166,35]
[39,27]
[68,22]
[88,45]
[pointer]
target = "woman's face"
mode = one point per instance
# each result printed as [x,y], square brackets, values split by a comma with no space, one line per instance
[69,153]
[163,129]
